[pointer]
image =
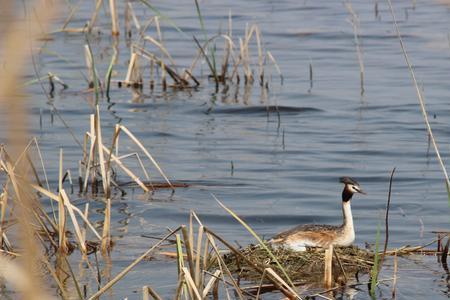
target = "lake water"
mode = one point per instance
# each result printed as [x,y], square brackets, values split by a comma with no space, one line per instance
[285,169]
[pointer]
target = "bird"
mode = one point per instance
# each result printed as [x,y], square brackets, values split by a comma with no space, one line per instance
[323,236]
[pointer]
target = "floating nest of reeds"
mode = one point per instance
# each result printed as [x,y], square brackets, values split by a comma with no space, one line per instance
[301,267]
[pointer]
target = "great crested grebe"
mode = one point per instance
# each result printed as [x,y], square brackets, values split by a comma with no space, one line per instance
[311,235]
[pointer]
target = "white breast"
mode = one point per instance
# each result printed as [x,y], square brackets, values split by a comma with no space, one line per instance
[346,238]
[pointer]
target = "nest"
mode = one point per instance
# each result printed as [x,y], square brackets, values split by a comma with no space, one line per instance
[301,267]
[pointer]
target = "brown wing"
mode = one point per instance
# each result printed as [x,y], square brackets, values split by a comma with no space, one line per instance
[321,235]
[305,228]
[315,238]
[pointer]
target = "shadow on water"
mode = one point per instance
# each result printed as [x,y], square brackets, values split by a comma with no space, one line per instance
[262,110]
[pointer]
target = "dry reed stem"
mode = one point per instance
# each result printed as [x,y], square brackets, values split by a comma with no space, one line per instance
[355,25]
[93,170]
[180,265]
[224,266]
[76,209]
[86,216]
[277,67]
[129,79]
[73,10]
[211,283]
[114,146]
[144,29]
[127,16]
[139,160]
[420,97]
[189,250]
[114,18]
[106,236]
[78,232]
[163,49]
[328,271]
[152,58]
[99,141]
[244,60]
[89,163]
[62,243]
[139,144]
[131,266]
[277,277]
[198,271]
[124,168]
[179,289]
[147,290]
[94,16]
[254,30]
[190,283]
[134,17]
[89,64]
[394,282]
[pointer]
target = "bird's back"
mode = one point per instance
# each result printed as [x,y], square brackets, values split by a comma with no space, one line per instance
[308,235]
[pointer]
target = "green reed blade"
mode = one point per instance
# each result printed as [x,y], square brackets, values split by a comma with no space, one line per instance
[374,272]
[163,17]
[109,72]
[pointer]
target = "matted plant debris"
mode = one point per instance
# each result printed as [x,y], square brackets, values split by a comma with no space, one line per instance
[305,266]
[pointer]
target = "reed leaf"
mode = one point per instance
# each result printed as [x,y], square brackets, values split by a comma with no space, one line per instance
[109,73]
[375,270]
[163,17]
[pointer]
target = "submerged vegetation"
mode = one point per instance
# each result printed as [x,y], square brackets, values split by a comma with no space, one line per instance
[41,226]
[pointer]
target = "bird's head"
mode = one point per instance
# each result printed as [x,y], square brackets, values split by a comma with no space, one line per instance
[351,186]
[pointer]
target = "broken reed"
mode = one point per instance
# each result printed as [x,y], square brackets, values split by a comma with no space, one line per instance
[236,61]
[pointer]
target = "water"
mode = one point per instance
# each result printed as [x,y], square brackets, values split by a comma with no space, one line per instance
[285,169]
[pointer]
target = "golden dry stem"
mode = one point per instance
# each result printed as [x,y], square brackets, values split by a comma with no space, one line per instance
[328,269]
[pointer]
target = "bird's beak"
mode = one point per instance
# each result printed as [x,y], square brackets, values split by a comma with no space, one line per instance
[362,192]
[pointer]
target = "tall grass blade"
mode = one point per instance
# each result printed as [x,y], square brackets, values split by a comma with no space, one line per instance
[421,100]
[131,266]
[202,26]
[162,16]
[93,71]
[109,73]
[375,270]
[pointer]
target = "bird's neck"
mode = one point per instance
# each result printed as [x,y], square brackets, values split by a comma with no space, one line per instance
[346,195]
[347,212]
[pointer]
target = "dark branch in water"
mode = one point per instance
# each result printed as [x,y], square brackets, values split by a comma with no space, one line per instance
[386,219]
